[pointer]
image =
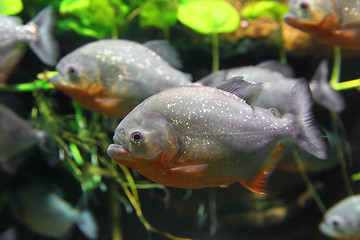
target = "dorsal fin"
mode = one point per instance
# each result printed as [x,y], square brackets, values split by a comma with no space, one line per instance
[166,51]
[257,184]
[238,86]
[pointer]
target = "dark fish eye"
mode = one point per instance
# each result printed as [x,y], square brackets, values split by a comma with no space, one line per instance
[335,223]
[304,6]
[136,137]
[72,71]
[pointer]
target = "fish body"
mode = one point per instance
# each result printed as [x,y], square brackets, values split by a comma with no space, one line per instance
[45,213]
[113,76]
[276,88]
[196,136]
[36,33]
[9,60]
[333,22]
[342,221]
[17,137]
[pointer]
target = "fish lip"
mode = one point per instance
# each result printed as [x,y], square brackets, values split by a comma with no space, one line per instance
[290,18]
[57,80]
[118,153]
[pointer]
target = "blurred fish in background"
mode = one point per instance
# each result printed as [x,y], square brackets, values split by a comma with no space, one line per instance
[113,76]
[335,22]
[47,214]
[342,221]
[37,33]
[17,139]
[276,87]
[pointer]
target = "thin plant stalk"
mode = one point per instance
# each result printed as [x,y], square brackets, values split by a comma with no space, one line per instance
[308,183]
[335,76]
[215,51]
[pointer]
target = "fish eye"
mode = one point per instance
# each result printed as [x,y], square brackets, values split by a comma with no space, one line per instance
[335,223]
[304,6]
[72,71]
[136,137]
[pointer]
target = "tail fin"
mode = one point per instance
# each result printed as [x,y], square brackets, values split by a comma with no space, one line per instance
[46,48]
[307,135]
[88,225]
[322,92]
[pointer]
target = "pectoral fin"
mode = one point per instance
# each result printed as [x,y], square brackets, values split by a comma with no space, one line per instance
[257,184]
[195,169]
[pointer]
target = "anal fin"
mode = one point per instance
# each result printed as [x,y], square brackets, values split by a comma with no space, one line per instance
[257,184]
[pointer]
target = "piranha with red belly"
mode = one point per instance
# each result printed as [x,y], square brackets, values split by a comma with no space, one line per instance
[333,22]
[196,137]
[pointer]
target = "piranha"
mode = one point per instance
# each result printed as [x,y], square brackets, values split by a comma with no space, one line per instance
[277,85]
[333,22]
[36,33]
[113,76]
[47,214]
[198,136]
[17,137]
[342,221]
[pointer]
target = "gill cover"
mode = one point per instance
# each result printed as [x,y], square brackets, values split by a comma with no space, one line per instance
[147,135]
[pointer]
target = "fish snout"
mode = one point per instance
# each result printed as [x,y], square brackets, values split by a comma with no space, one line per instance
[56,79]
[290,18]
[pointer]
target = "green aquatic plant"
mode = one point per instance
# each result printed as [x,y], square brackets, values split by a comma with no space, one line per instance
[335,76]
[11,7]
[84,17]
[268,9]
[82,146]
[161,14]
[209,17]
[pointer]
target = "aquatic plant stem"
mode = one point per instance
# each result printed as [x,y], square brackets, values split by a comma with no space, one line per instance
[347,85]
[335,76]
[215,51]
[115,214]
[336,123]
[282,52]
[308,183]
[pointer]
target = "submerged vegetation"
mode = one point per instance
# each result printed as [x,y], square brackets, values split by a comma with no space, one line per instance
[74,147]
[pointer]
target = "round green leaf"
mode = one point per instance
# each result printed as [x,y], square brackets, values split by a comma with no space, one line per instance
[10,7]
[270,9]
[161,14]
[209,16]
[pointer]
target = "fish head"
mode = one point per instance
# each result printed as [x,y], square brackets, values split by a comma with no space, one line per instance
[144,141]
[306,13]
[76,70]
[79,76]
[335,225]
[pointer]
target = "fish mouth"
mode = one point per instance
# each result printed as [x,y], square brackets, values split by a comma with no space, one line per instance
[58,81]
[120,154]
[291,19]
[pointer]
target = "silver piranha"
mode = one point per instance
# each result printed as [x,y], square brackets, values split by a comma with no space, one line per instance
[196,136]
[113,76]
[276,88]
[17,138]
[45,213]
[333,22]
[37,33]
[343,219]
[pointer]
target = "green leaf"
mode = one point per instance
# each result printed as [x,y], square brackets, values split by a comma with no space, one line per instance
[208,16]
[76,154]
[10,7]
[269,9]
[355,177]
[159,13]
[84,17]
